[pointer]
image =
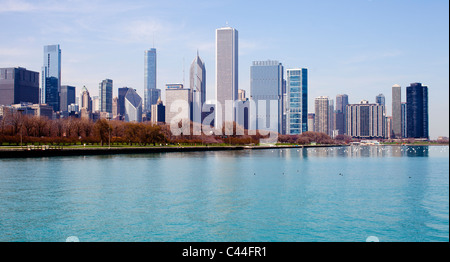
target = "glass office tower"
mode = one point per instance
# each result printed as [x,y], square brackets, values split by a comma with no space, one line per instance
[51,68]
[417,110]
[151,93]
[266,84]
[106,95]
[297,101]
[133,106]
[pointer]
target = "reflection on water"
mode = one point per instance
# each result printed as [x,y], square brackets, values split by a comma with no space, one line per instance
[396,193]
[372,151]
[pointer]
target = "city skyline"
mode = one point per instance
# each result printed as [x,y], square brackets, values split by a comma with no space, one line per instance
[347,47]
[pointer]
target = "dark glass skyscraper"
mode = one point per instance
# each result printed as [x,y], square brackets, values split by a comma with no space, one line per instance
[52,93]
[341,114]
[106,95]
[417,110]
[380,99]
[66,97]
[18,85]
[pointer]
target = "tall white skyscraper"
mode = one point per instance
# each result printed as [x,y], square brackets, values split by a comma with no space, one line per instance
[151,93]
[51,74]
[226,74]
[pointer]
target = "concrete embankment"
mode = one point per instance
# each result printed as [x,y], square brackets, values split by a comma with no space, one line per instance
[45,151]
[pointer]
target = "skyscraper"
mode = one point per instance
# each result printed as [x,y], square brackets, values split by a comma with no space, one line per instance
[151,93]
[51,68]
[177,97]
[331,118]
[158,114]
[311,124]
[404,121]
[86,101]
[106,95]
[340,114]
[133,106]
[18,85]
[417,110]
[52,93]
[197,76]
[86,104]
[67,97]
[380,99]
[266,85]
[296,107]
[226,74]
[121,101]
[322,110]
[396,111]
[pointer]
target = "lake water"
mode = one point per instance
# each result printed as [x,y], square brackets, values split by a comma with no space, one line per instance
[343,194]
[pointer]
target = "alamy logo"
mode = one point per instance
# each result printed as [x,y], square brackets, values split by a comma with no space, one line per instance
[232,118]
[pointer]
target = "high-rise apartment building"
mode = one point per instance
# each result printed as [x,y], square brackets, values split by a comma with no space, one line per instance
[18,85]
[106,94]
[197,77]
[266,90]
[151,93]
[417,110]
[322,118]
[396,111]
[311,120]
[66,97]
[296,104]
[226,74]
[366,120]
[51,68]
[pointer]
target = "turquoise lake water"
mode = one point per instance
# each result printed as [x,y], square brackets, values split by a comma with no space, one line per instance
[344,194]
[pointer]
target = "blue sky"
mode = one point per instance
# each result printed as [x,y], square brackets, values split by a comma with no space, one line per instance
[357,47]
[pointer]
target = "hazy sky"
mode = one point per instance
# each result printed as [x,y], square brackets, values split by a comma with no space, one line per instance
[360,47]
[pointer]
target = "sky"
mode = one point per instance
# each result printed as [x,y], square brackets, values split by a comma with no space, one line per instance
[355,47]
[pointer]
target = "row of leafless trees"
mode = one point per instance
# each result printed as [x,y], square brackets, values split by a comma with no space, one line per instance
[19,128]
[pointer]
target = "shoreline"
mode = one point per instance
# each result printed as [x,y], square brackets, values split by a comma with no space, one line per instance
[49,151]
[26,152]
